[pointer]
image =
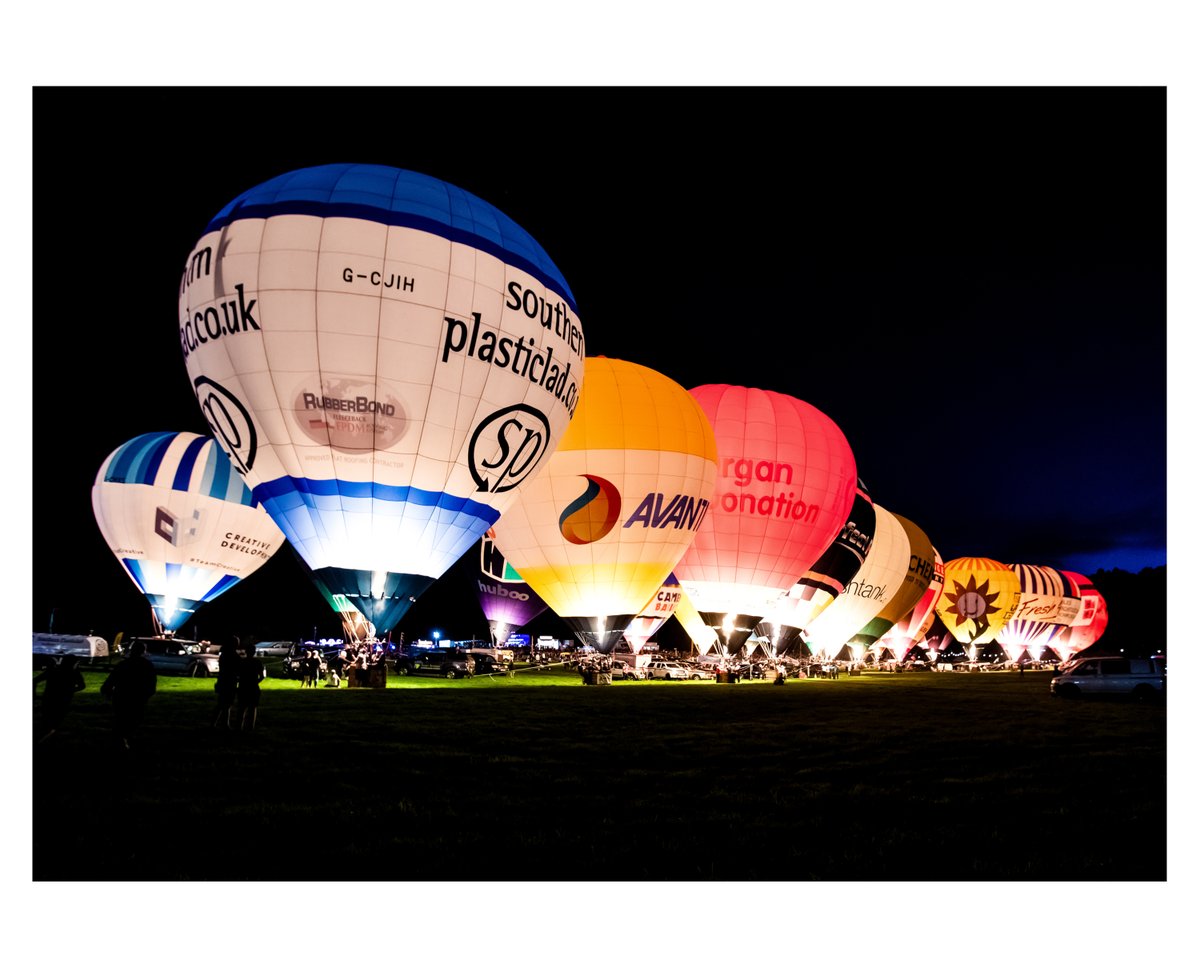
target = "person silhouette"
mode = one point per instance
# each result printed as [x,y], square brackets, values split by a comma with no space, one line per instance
[130,685]
[250,676]
[229,667]
[62,680]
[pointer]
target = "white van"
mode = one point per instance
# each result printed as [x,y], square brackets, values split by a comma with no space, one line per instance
[1142,678]
[87,648]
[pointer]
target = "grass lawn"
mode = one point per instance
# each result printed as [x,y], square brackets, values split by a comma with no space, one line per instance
[881,776]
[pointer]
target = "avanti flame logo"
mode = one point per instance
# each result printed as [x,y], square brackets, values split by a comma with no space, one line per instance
[593,514]
[974,603]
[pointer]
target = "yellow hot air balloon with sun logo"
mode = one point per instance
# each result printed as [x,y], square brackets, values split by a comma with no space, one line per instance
[978,598]
[600,529]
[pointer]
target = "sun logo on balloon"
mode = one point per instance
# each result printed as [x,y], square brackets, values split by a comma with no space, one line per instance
[973,603]
[593,513]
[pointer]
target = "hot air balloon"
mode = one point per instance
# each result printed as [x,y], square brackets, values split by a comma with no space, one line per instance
[979,598]
[506,599]
[1044,604]
[658,610]
[386,359]
[1087,626]
[703,637]
[937,640]
[599,530]
[355,627]
[181,521]
[786,485]
[788,614]
[875,585]
[910,629]
[908,592]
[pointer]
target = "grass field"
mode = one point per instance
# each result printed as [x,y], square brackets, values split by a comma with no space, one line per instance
[881,776]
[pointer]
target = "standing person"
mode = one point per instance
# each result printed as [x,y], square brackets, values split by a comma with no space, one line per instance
[338,667]
[250,676]
[229,666]
[62,680]
[130,685]
[312,669]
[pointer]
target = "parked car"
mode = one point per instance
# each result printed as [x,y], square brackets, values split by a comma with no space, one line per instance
[171,656]
[627,671]
[667,670]
[454,664]
[486,663]
[273,648]
[1140,678]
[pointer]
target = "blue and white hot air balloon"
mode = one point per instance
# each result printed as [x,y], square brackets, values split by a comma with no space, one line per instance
[181,521]
[386,359]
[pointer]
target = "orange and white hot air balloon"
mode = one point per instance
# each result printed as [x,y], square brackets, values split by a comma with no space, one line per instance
[598,532]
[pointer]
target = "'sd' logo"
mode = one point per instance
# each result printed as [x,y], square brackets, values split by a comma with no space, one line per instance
[507,446]
[230,422]
[593,514]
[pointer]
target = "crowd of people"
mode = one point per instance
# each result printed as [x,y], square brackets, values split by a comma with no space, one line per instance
[351,663]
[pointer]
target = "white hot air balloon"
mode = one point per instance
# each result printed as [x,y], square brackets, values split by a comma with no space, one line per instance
[387,359]
[181,521]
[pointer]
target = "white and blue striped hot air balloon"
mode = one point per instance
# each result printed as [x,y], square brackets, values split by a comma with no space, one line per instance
[386,359]
[181,521]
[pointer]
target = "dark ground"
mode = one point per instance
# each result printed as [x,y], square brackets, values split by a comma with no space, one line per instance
[911,777]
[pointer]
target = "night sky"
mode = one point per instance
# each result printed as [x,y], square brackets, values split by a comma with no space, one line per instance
[970,282]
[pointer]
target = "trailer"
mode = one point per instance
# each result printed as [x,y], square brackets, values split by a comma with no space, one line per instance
[51,647]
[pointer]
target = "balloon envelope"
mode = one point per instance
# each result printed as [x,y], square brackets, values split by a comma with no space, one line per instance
[1089,622]
[700,633]
[978,599]
[909,591]
[1046,602]
[658,610]
[506,599]
[788,614]
[181,521]
[597,533]
[910,629]
[386,358]
[881,576]
[785,488]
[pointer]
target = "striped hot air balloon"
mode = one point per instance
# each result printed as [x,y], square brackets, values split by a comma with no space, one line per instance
[181,521]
